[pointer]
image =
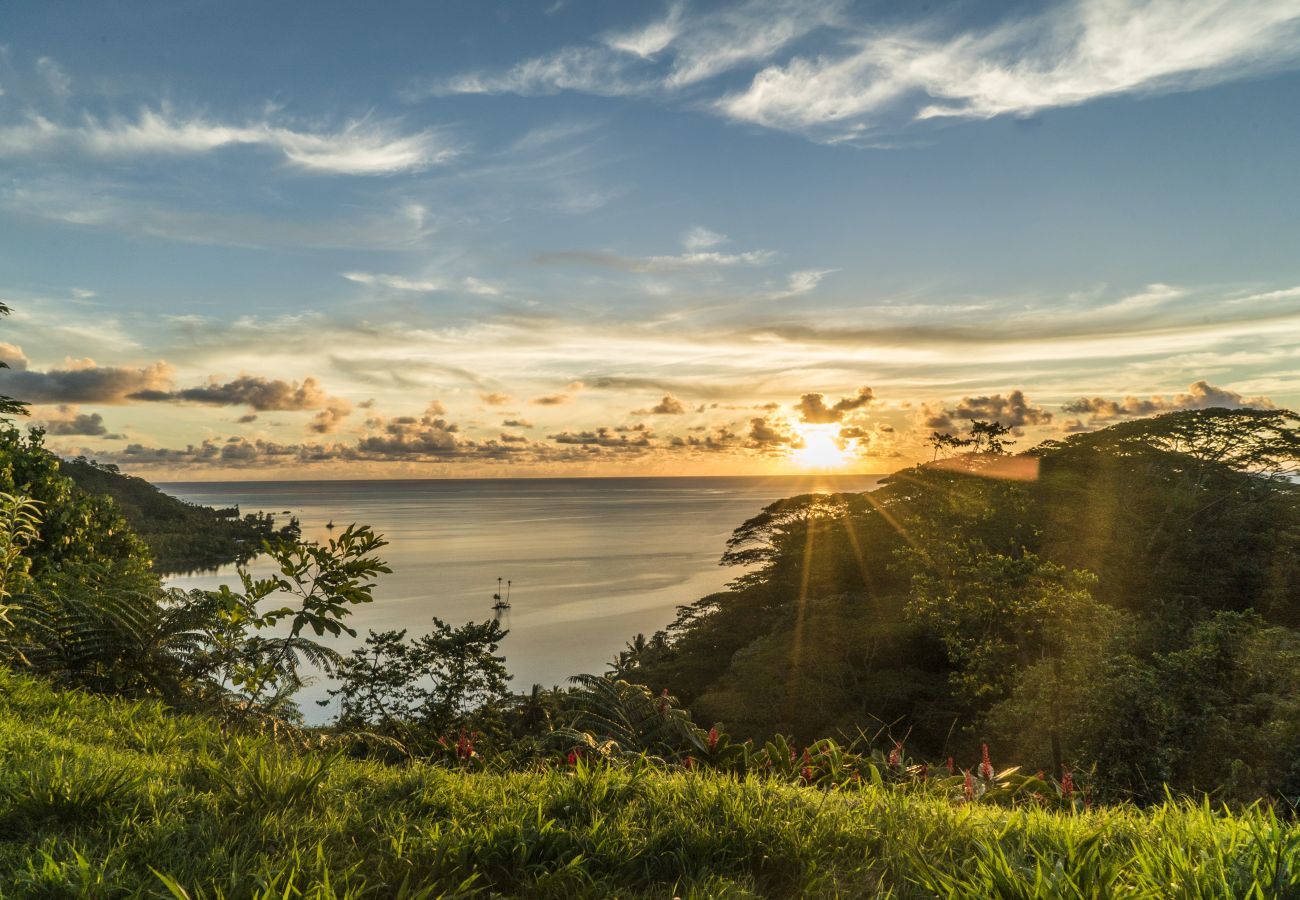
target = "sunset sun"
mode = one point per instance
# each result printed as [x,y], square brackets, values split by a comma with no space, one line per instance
[822,447]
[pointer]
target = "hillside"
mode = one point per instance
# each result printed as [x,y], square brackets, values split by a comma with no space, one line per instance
[106,798]
[181,536]
[1125,601]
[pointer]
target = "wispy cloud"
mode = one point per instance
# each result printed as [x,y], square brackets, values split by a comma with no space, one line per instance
[679,262]
[359,147]
[469,284]
[664,56]
[869,78]
[1074,53]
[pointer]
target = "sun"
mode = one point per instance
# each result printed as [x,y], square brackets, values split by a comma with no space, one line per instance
[821,447]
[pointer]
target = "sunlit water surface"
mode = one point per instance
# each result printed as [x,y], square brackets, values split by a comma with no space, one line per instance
[594,561]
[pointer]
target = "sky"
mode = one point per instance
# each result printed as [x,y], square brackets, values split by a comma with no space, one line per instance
[561,237]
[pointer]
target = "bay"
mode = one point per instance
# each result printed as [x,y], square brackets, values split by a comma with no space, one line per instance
[592,561]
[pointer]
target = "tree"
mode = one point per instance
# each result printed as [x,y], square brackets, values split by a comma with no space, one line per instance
[424,688]
[324,581]
[8,405]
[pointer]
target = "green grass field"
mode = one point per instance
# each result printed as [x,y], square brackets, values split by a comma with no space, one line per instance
[108,798]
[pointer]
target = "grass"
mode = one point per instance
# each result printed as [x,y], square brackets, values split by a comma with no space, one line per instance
[111,798]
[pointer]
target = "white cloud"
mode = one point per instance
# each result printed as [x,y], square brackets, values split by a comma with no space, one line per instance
[395,282]
[360,147]
[480,287]
[701,238]
[56,77]
[468,284]
[665,56]
[651,39]
[589,70]
[680,262]
[870,78]
[1074,53]
[805,281]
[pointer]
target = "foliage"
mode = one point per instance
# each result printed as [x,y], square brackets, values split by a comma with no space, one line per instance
[318,584]
[76,527]
[1060,602]
[8,405]
[207,813]
[19,527]
[181,536]
[419,690]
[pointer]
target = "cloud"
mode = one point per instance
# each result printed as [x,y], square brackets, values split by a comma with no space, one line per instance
[602,71]
[394,282]
[720,439]
[668,406]
[68,420]
[495,399]
[425,435]
[1012,410]
[813,409]
[516,423]
[1072,53]
[766,433]
[1199,395]
[330,417]
[869,77]
[81,381]
[805,280]
[256,392]
[603,437]
[56,78]
[681,262]
[661,58]
[551,400]
[359,147]
[13,357]
[468,284]
[700,238]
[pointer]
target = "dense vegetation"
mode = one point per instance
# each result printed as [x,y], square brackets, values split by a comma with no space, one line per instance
[104,798]
[181,536]
[1124,602]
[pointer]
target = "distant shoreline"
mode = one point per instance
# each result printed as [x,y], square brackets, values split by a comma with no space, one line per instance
[836,476]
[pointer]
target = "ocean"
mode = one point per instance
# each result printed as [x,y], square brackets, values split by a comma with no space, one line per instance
[592,561]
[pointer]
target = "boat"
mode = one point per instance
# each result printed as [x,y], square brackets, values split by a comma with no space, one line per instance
[501,601]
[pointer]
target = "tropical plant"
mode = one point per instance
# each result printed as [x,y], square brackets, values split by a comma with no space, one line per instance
[319,583]
[421,689]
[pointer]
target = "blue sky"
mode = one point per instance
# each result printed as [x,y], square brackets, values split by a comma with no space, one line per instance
[252,240]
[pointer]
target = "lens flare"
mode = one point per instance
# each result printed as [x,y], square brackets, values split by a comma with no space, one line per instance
[821,447]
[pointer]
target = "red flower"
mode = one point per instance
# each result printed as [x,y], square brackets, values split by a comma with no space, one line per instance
[1067,784]
[464,746]
[896,756]
[713,738]
[807,773]
[951,768]
[985,768]
[968,786]
[573,757]
[689,763]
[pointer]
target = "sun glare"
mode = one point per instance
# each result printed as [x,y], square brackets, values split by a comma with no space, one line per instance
[822,448]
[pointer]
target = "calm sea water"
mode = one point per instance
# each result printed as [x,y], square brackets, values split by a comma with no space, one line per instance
[594,561]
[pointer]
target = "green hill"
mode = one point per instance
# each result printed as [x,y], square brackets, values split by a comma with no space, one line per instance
[111,798]
[181,536]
